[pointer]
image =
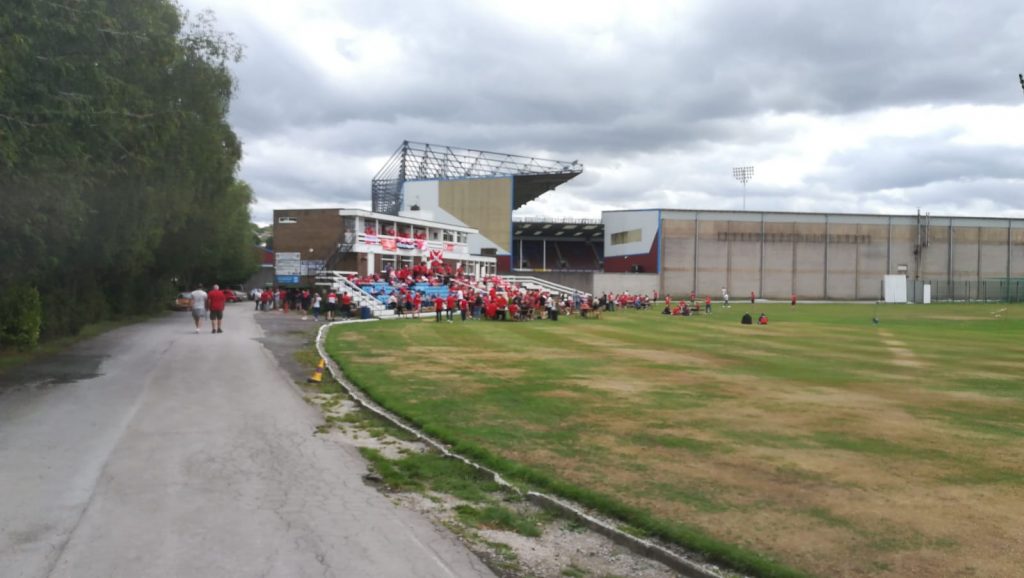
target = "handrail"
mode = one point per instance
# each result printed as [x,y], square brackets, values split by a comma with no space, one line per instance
[361,298]
[557,220]
[549,286]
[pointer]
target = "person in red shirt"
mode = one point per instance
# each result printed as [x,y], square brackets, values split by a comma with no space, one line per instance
[513,310]
[451,306]
[346,305]
[753,297]
[792,300]
[417,303]
[463,308]
[707,305]
[502,306]
[215,303]
[438,308]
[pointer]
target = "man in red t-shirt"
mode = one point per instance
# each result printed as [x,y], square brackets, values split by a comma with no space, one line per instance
[438,308]
[346,305]
[450,302]
[215,303]
[501,303]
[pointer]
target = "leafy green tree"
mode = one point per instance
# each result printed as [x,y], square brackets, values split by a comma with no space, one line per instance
[114,147]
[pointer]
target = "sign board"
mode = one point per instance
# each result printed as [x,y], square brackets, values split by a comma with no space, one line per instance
[287,263]
[311,267]
[287,279]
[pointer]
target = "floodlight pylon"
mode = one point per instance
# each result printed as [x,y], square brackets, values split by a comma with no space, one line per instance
[743,175]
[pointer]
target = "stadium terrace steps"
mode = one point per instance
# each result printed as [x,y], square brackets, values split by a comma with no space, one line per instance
[531,282]
[339,282]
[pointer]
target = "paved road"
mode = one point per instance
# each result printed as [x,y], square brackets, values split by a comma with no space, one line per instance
[154,451]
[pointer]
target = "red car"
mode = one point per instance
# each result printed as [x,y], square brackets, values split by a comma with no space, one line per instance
[183,302]
[232,296]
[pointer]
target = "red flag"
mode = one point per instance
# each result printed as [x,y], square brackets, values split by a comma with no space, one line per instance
[388,244]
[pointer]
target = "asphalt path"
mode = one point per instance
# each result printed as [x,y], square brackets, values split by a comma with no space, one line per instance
[155,451]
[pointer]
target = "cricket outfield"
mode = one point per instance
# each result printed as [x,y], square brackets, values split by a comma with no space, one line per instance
[820,444]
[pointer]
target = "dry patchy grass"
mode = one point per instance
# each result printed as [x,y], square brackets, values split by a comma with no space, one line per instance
[837,448]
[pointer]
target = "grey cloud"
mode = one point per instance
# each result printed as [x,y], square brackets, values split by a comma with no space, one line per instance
[468,78]
[911,163]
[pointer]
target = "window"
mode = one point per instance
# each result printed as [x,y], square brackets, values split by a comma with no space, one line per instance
[626,237]
[287,220]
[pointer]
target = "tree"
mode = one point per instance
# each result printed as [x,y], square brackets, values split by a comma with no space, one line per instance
[115,143]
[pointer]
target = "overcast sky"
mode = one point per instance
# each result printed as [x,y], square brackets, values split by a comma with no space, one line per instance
[870,107]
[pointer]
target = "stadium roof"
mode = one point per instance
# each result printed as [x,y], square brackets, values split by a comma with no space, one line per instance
[568,229]
[414,161]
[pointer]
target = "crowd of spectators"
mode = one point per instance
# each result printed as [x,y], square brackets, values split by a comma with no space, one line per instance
[305,301]
[447,293]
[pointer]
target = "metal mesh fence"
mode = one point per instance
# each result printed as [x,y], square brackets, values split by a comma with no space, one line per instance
[1007,290]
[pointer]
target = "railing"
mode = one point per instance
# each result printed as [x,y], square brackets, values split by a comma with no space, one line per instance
[987,290]
[563,220]
[410,244]
[535,283]
[339,282]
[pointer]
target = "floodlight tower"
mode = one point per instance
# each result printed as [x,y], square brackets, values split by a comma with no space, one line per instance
[743,175]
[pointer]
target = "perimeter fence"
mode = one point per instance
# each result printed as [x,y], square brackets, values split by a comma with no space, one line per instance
[1005,290]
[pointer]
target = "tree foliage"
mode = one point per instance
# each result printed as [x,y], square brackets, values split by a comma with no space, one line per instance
[117,163]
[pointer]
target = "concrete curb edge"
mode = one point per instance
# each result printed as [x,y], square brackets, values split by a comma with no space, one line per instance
[673,560]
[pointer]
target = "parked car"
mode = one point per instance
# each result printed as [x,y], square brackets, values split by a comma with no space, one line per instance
[183,302]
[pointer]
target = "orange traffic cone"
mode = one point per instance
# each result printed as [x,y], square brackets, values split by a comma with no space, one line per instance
[318,373]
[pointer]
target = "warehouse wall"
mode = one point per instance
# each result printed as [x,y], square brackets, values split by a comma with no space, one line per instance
[829,256]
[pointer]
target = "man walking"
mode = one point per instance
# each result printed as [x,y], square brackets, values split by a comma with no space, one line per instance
[199,298]
[215,303]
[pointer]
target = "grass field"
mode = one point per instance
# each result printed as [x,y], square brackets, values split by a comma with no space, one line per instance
[820,444]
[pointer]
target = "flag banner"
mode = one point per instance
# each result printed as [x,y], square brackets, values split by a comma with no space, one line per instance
[406,244]
[371,239]
[421,244]
[388,244]
[449,247]
[436,256]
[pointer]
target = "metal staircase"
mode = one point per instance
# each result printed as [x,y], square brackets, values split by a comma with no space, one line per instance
[340,283]
[531,282]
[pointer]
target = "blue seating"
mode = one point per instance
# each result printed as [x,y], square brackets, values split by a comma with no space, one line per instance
[431,291]
[382,291]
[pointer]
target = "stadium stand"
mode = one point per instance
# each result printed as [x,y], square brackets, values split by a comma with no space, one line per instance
[576,255]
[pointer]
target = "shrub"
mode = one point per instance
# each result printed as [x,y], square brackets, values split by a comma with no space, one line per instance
[20,316]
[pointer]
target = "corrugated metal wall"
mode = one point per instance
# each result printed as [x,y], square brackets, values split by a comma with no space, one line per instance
[830,256]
